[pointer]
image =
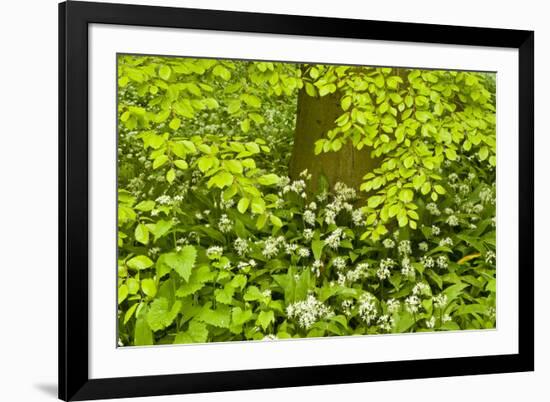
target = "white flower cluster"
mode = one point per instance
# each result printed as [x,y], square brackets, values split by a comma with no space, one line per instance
[427,261]
[404,247]
[333,240]
[360,272]
[367,308]
[308,312]
[339,263]
[420,288]
[246,264]
[224,224]
[347,305]
[214,252]
[423,246]
[290,248]
[393,306]
[358,218]
[308,234]
[316,267]
[447,241]
[430,323]
[452,220]
[490,257]
[303,252]
[383,270]
[164,200]
[297,186]
[440,300]
[412,304]
[407,268]
[435,230]
[433,209]
[241,246]
[388,243]
[309,217]
[385,322]
[272,246]
[442,262]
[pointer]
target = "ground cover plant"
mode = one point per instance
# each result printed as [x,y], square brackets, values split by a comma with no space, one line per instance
[270,200]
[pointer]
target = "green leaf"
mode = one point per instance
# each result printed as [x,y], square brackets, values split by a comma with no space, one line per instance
[149,287]
[140,262]
[317,248]
[219,317]
[161,315]
[406,195]
[257,206]
[182,262]
[130,312]
[240,316]
[159,161]
[275,220]
[145,206]
[268,179]
[265,318]
[243,204]
[142,333]
[181,164]
[175,123]
[221,180]
[171,176]
[122,293]
[164,72]
[142,234]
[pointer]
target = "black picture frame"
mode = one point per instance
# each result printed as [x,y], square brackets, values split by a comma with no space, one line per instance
[74,18]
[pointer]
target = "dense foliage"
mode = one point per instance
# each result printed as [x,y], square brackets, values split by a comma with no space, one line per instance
[217,243]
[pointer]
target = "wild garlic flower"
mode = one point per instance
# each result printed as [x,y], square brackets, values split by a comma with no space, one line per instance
[272,246]
[490,257]
[333,240]
[420,288]
[423,246]
[440,300]
[367,308]
[452,220]
[330,217]
[430,323]
[347,305]
[164,200]
[316,267]
[393,306]
[303,252]
[308,311]
[357,218]
[435,230]
[305,174]
[388,243]
[407,269]
[308,234]
[309,217]
[447,241]
[224,224]
[312,206]
[442,262]
[433,209]
[241,246]
[214,252]
[412,304]
[339,263]
[360,272]
[385,322]
[344,192]
[383,270]
[427,261]
[404,247]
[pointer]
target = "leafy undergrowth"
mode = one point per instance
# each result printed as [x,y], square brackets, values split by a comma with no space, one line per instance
[217,244]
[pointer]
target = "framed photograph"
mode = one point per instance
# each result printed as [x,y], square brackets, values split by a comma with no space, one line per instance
[258,200]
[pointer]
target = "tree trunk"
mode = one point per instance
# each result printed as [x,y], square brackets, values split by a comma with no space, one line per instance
[315,117]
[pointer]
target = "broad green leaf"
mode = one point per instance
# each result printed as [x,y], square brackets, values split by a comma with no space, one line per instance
[139,262]
[142,234]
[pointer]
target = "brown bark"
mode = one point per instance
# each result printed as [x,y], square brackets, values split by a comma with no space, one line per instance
[315,117]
